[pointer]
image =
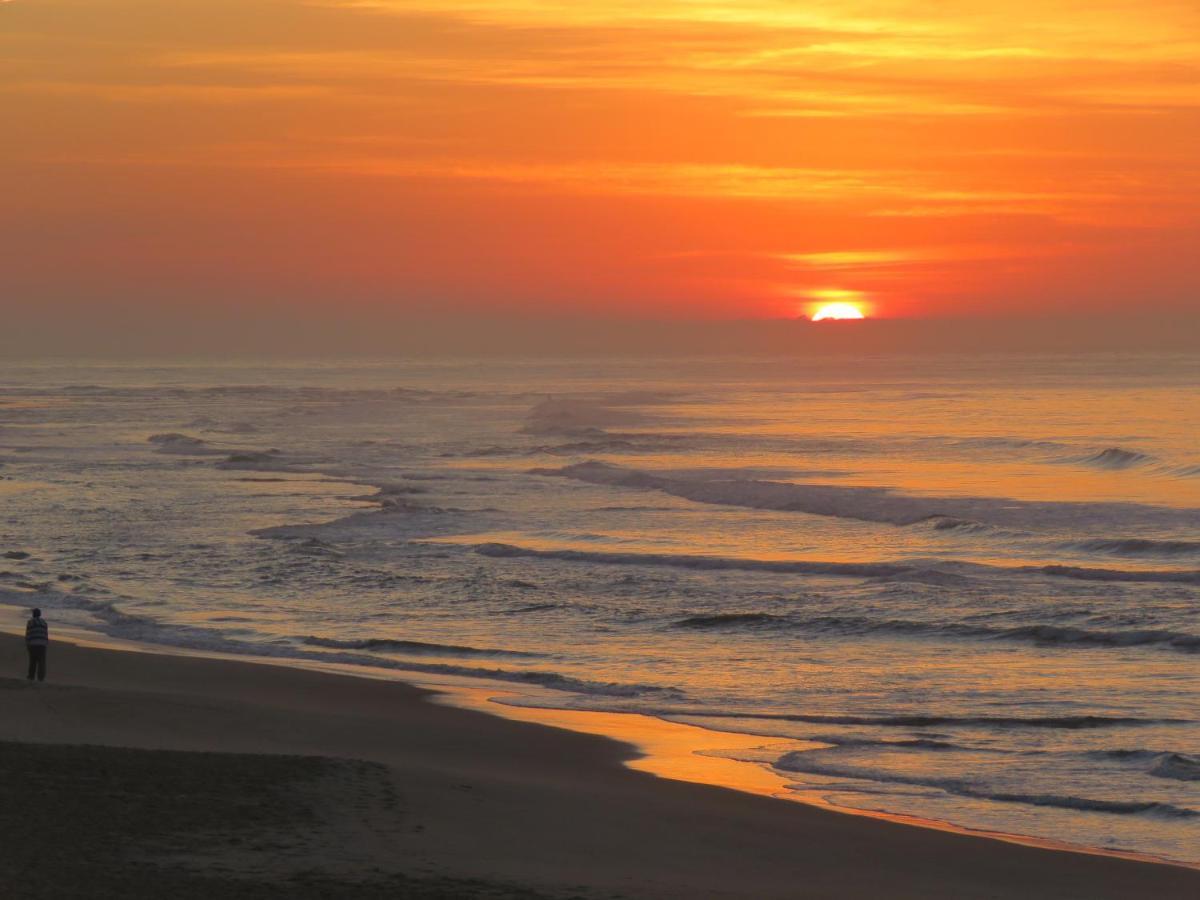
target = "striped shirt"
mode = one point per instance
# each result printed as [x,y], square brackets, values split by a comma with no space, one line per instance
[37,633]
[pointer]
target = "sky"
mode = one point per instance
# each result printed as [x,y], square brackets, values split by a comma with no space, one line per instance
[227,167]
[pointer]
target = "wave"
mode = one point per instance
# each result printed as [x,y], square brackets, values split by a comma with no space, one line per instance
[315,547]
[797,762]
[598,445]
[841,740]
[1115,575]
[387,645]
[726,620]
[1055,634]
[1122,754]
[873,504]
[258,461]
[921,575]
[1070,723]
[567,416]
[999,443]
[183,445]
[536,607]
[1137,547]
[175,438]
[280,392]
[881,570]
[1177,766]
[948,523]
[1038,634]
[136,627]
[614,443]
[1159,763]
[707,563]
[1115,458]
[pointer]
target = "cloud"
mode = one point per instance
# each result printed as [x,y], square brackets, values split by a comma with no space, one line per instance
[883,141]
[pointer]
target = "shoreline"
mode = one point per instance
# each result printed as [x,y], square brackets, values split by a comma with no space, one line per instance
[665,749]
[664,745]
[643,831]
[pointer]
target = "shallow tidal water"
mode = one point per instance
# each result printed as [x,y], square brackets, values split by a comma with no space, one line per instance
[966,590]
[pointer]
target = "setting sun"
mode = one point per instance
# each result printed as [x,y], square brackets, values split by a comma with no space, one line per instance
[838,311]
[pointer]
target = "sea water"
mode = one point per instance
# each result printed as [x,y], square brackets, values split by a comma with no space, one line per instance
[961,589]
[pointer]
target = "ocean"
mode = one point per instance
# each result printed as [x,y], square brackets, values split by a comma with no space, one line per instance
[961,589]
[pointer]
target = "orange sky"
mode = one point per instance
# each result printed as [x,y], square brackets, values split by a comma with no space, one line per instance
[666,158]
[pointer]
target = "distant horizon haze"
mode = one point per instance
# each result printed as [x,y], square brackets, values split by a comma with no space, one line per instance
[251,332]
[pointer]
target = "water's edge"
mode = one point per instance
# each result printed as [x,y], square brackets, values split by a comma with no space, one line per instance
[664,749]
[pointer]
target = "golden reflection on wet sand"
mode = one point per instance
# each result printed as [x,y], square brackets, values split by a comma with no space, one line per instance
[687,753]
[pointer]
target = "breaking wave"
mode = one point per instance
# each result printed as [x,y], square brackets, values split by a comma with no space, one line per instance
[947,523]
[385,645]
[1082,637]
[1115,458]
[727,620]
[182,445]
[1070,723]
[132,626]
[1137,547]
[1038,634]
[872,504]
[803,761]
[535,607]
[280,392]
[881,570]
[1115,575]
[842,740]
[708,563]
[1177,766]
[1159,763]
[579,417]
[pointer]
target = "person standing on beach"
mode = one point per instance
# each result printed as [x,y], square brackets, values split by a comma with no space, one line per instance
[37,639]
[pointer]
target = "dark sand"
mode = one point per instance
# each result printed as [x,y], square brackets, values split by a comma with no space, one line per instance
[371,791]
[118,822]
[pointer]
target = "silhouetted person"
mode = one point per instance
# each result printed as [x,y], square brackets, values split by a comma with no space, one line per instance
[37,639]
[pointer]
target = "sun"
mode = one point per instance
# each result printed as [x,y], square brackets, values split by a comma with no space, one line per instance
[836,304]
[838,311]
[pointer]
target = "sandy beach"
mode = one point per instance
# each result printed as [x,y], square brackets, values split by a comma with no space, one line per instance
[350,786]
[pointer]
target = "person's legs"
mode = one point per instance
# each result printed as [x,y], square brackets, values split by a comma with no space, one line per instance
[37,663]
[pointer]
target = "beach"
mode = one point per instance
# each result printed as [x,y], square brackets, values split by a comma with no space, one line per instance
[363,787]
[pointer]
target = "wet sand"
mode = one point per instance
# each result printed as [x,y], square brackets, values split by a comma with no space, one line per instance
[440,801]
